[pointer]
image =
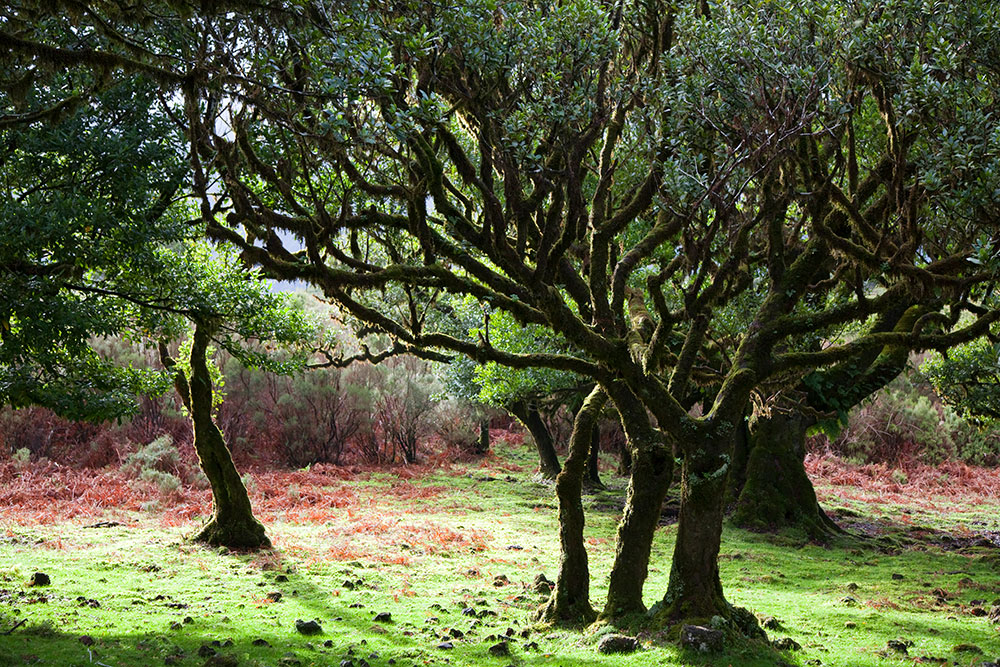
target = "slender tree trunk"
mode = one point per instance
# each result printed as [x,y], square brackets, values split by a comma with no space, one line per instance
[483,445]
[695,590]
[570,599]
[652,470]
[776,492]
[593,461]
[527,414]
[232,524]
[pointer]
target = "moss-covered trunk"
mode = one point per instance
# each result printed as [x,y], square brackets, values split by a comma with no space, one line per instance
[695,590]
[232,524]
[570,599]
[652,470]
[594,460]
[776,492]
[527,413]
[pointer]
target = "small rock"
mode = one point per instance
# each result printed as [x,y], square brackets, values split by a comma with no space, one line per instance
[500,580]
[456,633]
[786,644]
[701,639]
[383,617]
[445,646]
[261,642]
[206,651]
[896,576]
[281,578]
[542,584]
[770,623]
[222,661]
[308,627]
[274,596]
[978,611]
[967,648]
[850,625]
[40,579]
[348,584]
[994,614]
[468,611]
[898,646]
[188,620]
[500,649]
[346,662]
[617,644]
[290,660]
[848,600]
[531,646]
[176,625]
[852,587]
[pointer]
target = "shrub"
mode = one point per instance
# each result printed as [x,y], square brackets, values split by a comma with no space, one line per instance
[159,455]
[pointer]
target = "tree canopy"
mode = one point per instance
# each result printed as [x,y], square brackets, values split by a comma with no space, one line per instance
[615,174]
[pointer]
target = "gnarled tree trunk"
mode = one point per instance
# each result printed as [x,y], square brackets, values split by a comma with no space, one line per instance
[570,599]
[232,524]
[695,590]
[776,492]
[652,470]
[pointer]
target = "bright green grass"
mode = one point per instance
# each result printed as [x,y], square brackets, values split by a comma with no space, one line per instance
[425,560]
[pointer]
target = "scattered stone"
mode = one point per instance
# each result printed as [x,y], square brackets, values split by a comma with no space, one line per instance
[899,645]
[967,648]
[281,578]
[206,651]
[173,659]
[308,627]
[40,579]
[355,605]
[849,601]
[701,639]
[468,611]
[176,625]
[850,625]
[261,642]
[348,584]
[786,644]
[222,661]
[86,640]
[852,587]
[500,650]
[542,584]
[456,633]
[346,662]
[994,614]
[383,617]
[617,644]
[274,596]
[770,623]
[531,646]
[515,547]
[978,611]
[188,620]
[290,660]
[500,580]
[896,576]
[445,646]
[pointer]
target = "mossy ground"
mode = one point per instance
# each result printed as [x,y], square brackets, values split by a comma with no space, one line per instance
[473,538]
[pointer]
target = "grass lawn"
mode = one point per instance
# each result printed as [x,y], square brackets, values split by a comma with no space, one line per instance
[433,565]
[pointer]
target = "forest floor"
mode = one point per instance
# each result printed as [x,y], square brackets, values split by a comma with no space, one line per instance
[435,564]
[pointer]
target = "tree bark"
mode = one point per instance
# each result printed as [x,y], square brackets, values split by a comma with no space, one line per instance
[483,445]
[570,599]
[652,470]
[527,414]
[232,524]
[776,492]
[593,461]
[695,590]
